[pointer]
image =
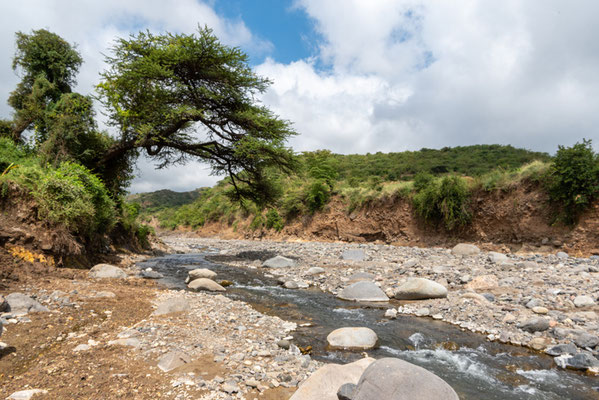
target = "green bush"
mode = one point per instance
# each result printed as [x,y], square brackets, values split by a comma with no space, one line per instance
[574,179]
[318,195]
[274,220]
[257,222]
[445,201]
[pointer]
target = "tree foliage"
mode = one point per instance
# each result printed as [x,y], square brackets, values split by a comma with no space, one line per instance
[189,96]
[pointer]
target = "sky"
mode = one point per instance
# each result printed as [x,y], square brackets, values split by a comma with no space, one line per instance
[358,76]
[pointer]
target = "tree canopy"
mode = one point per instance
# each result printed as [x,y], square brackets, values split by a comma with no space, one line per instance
[188,96]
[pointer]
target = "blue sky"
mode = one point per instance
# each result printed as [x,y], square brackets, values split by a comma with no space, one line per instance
[357,76]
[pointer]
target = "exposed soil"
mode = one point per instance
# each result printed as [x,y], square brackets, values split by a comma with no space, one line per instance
[519,219]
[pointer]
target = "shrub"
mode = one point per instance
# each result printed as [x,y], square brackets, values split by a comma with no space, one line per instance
[318,195]
[257,222]
[574,180]
[274,220]
[445,201]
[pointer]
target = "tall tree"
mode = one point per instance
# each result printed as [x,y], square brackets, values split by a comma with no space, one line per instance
[188,96]
[47,65]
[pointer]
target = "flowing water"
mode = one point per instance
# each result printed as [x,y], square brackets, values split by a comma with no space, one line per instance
[475,368]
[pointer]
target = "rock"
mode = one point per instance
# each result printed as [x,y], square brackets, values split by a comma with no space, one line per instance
[562,255]
[346,391]
[284,344]
[19,303]
[464,249]
[3,304]
[583,301]
[151,275]
[422,312]
[200,273]
[129,342]
[585,339]
[172,305]
[395,379]
[540,310]
[561,349]
[324,382]
[419,289]
[479,298]
[534,325]
[315,271]
[363,291]
[172,360]
[106,271]
[361,276]
[104,294]
[483,282]
[230,387]
[580,361]
[352,339]
[290,285]
[26,394]
[497,258]
[278,262]
[539,343]
[205,284]
[353,255]
[391,313]
[81,347]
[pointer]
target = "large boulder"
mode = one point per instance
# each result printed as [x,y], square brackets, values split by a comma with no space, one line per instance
[363,291]
[465,249]
[395,379]
[200,273]
[106,271]
[278,262]
[420,289]
[205,284]
[352,339]
[324,383]
[353,255]
[172,305]
[19,303]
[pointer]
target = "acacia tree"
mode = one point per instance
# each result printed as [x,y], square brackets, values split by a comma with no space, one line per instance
[178,97]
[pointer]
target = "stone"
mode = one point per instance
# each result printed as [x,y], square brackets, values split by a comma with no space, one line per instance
[315,271]
[465,249]
[290,285]
[534,325]
[81,347]
[26,394]
[391,313]
[346,391]
[585,339]
[479,298]
[230,387]
[106,271]
[422,312]
[352,339]
[278,262]
[205,284]
[105,294]
[497,258]
[419,289]
[562,255]
[583,301]
[363,291]
[151,275]
[483,282]
[172,305]
[361,276]
[173,360]
[3,304]
[19,303]
[129,342]
[395,379]
[200,273]
[540,310]
[561,349]
[325,381]
[353,255]
[539,343]
[284,344]
[580,361]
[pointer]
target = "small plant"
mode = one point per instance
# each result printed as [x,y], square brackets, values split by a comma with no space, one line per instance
[274,220]
[257,222]
[445,201]
[318,195]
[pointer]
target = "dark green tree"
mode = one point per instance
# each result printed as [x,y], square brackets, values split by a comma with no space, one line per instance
[188,96]
[47,65]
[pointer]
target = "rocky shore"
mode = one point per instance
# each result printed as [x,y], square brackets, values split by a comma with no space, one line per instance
[547,302]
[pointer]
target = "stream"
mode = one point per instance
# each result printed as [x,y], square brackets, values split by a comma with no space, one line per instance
[475,368]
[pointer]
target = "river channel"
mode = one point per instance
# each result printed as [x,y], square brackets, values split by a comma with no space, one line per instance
[475,368]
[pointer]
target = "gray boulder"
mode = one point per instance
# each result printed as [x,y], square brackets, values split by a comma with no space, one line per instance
[205,284]
[361,276]
[420,289]
[363,291]
[315,271]
[19,303]
[151,274]
[278,262]
[172,305]
[353,255]
[580,361]
[346,391]
[106,271]
[465,249]
[172,360]
[352,339]
[583,301]
[395,379]
[534,325]
[323,383]
[497,258]
[585,339]
[561,349]
[200,273]
[562,255]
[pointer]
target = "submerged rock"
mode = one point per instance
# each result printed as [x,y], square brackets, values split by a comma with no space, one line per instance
[363,291]
[352,339]
[420,289]
[395,379]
